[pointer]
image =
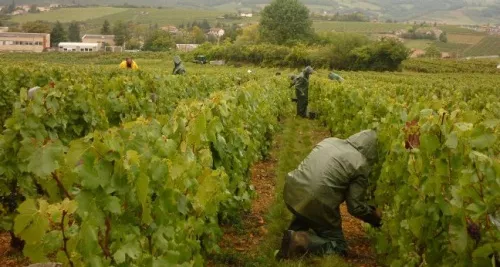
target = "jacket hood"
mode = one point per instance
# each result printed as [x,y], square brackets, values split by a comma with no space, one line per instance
[177,60]
[308,70]
[366,143]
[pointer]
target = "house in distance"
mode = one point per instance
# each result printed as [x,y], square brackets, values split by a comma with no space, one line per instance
[24,42]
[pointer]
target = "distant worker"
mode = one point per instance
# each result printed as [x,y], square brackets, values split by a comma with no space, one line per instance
[128,63]
[178,66]
[335,171]
[334,76]
[301,83]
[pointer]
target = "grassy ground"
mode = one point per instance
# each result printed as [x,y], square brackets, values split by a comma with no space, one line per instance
[70,14]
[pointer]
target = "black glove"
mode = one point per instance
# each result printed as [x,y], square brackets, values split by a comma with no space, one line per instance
[374,218]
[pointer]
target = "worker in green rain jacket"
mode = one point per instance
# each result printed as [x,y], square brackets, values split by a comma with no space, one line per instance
[335,171]
[334,76]
[178,66]
[301,83]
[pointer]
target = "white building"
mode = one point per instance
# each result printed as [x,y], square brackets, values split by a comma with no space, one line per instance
[78,47]
[247,15]
[186,47]
[24,42]
[218,32]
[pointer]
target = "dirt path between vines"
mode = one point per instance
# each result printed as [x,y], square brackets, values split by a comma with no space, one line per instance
[247,243]
[9,257]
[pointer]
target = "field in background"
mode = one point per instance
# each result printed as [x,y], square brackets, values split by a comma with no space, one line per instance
[489,45]
[359,27]
[461,41]
[70,14]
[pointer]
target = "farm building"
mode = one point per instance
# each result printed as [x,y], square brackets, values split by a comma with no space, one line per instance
[216,32]
[102,40]
[4,29]
[417,53]
[79,47]
[186,47]
[24,42]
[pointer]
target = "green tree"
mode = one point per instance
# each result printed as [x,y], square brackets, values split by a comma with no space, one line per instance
[198,35]
[205,25]
[432,51]
[121,32]
[33,9]
[443,37]
[106,28]
[38,26]
[285,21]
[11,7]
[384,55]
[133,44]
[58,34]
[74,32]
[158,40]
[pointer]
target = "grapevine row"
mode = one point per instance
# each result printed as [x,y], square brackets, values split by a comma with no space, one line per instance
[438,171]
[151,191]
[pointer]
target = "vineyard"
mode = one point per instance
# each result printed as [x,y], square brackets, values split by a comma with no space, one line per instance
[103,167]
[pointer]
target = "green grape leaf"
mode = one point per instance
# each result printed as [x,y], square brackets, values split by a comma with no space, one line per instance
[464,126]
[35,252]
[113,205]
[452,140]
[46,158]
[142,189]
[131,249]
[483,141]
[458,238]
[429,142]
[30,224]
[483,251]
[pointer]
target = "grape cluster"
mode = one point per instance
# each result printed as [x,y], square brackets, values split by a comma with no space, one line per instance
[9,201]
[474,231]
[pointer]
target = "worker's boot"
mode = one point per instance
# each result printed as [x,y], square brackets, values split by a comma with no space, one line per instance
[293,244]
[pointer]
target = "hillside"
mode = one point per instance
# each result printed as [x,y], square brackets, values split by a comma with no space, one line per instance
[447,11]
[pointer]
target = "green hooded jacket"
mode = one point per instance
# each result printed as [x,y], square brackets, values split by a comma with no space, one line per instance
[335,171]
[178,66]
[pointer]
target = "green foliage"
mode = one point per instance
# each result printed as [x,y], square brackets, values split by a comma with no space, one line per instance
[443,37]
[435,180]
[74,32]
[106,28]
[347,51]
[58,34]
[121,32]
[451,66]
[432,51]
[385,55]
[150,191]
[285,22]
[159,40]
[198,35]
[36,27]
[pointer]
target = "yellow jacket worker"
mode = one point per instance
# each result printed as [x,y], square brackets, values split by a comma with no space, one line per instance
[128,63]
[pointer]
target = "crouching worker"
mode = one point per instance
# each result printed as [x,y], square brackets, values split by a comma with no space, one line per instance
[335,171]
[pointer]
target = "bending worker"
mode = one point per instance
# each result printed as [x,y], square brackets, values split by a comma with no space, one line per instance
[335,76]
[301,83]
[178,66]
[335,171]
[128,63]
